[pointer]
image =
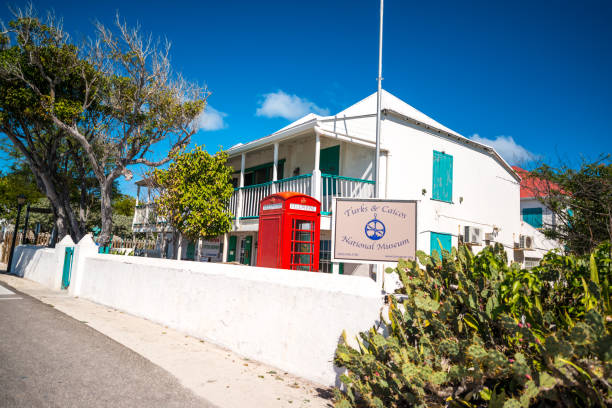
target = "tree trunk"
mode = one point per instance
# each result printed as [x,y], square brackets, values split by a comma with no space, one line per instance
[106,213]
[65,219]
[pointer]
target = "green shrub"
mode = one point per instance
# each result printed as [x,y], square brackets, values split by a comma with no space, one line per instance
[470,331]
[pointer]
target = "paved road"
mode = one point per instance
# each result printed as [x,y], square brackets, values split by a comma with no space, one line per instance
[48,359]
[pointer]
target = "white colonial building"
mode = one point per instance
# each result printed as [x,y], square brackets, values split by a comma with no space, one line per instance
[466,192]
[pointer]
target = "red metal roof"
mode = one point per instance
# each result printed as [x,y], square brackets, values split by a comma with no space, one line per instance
[531,186]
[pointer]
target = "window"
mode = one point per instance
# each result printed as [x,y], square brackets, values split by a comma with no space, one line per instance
[436,239]
[442,188]
[533,216]
[260,174]
[325,264]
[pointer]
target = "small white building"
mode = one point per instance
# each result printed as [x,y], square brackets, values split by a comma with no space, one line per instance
[466,191]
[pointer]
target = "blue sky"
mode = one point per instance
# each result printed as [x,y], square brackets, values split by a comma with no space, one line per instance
[531,78]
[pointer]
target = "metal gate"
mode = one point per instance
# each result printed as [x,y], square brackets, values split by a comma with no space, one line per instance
[67,267]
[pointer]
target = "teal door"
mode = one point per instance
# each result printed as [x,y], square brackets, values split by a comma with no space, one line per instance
[245,250]
[439,242]
[330,164]
[67,267]
[191,250]
[231,249]
[330,160]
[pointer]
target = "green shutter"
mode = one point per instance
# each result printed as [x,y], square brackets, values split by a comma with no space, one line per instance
[437,239]
[442,180]
[231,250]
[533,217]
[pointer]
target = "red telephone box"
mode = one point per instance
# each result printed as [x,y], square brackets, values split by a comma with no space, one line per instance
[289,227]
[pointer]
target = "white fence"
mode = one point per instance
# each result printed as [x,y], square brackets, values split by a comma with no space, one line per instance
[289,319]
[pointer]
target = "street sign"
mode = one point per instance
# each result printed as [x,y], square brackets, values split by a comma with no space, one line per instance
[373,230]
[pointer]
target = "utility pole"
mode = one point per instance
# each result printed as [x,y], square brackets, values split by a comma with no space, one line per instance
[378,96]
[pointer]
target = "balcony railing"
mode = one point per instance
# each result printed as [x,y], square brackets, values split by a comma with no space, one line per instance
[330,186]
[339,186]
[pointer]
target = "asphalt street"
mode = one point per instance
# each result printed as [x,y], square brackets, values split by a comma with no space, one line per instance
[48,359]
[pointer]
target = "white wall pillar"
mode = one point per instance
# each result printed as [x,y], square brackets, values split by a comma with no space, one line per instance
[85,248]
[336,268]
[137,195]
[316,173]
[275,168]
[60,253]
[240,190]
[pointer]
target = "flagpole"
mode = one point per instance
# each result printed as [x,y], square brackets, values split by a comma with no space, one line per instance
[378,96]
[379,266]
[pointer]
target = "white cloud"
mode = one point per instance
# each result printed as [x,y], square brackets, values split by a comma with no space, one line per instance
[280,104]
[507,148]
[210,119]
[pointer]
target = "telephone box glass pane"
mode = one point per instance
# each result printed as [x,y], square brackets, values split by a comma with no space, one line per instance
[304,225]
[302,259]
[302,247]
[303,236]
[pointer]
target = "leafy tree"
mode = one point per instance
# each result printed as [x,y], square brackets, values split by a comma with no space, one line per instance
[13,184]
[581,201]
[128,99]
[194,193]
[33,136]
[124,205]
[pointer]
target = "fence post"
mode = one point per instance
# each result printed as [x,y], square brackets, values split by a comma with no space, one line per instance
[86,247]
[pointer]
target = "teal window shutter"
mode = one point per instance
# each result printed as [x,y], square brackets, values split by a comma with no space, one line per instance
[437,239]
[442,188]
[533,217]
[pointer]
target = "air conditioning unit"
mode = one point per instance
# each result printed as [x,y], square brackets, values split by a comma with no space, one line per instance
[472,235]
[489,236]
[526,242]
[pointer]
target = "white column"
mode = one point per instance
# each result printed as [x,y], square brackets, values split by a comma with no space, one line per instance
[225,249]
[240,190]
[137,194]
[179,250]
[335,268]
[275,168]
[198,255]
[316,173]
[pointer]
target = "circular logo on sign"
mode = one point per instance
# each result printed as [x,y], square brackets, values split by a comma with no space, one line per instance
[375,229]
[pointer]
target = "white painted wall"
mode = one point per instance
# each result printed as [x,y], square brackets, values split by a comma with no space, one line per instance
[289,319]
[484,193]
[35,263]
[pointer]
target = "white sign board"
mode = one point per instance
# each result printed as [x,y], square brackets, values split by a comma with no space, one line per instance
[373,230]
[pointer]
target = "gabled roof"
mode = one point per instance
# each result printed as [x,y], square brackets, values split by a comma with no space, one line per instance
[533,187]
[391,102]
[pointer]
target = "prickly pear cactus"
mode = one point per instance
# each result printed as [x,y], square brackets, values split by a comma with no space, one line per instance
[469,331]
